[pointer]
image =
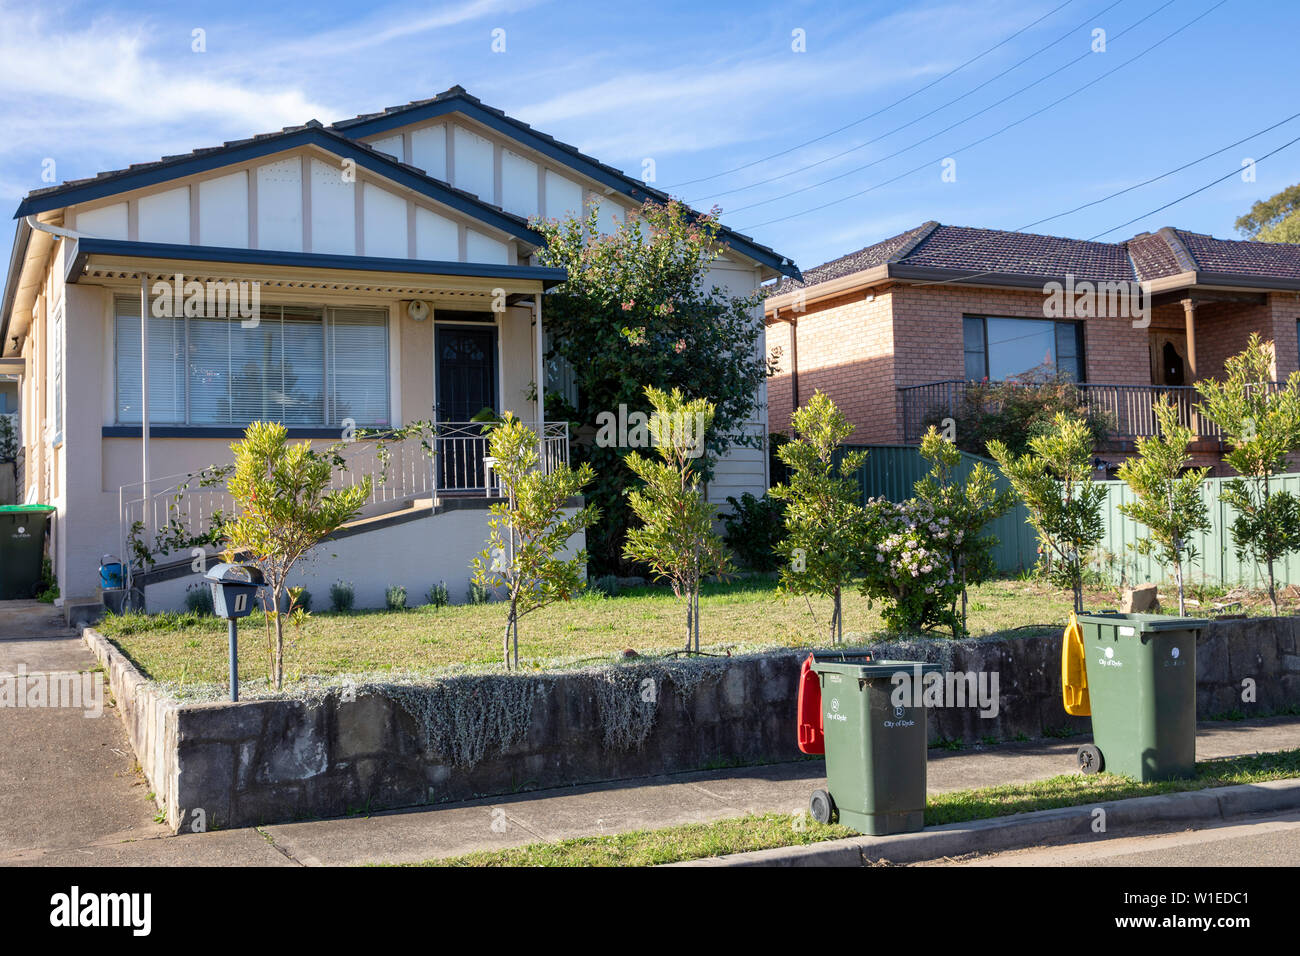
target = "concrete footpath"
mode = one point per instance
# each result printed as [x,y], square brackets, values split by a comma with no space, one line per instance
[120,830]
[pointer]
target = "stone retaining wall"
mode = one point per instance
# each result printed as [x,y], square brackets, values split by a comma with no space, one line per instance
[268,761]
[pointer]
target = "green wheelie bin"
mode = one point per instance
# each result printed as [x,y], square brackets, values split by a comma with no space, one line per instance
[875,749]
[22,549]
[1141,673]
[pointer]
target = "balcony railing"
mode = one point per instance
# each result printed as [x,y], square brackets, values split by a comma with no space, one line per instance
[461,461]
[1127,410]
[181,507]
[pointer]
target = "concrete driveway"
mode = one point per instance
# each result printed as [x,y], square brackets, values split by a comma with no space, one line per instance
[66,780]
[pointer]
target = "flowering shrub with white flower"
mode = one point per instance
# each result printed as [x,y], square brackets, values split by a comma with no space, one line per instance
[906,564]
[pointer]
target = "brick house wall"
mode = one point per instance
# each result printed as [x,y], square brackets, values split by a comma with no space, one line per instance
[861,352]
[847,349]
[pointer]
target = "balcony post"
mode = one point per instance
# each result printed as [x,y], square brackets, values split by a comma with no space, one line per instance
[1189,323]
[540,374]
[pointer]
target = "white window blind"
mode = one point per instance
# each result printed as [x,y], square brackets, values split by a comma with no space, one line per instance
[216,372]
[358,362]
[166,366]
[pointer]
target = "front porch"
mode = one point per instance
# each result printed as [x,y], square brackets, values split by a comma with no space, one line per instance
[339,351]
[1184,337]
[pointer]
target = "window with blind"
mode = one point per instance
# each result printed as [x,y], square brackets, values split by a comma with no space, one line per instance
[300,366]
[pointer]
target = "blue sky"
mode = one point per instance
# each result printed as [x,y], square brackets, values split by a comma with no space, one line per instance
[705,88]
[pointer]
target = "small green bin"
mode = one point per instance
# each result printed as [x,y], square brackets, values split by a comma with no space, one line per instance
[875,751]
[22,549]
[1142,691]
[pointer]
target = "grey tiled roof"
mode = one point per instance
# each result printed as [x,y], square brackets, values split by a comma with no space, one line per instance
[638,187]
[340,130]
[1146,256]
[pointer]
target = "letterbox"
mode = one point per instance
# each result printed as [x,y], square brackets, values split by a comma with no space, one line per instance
[234,589]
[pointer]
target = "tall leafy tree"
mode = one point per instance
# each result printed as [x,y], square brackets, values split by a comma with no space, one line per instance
[822,546]
[1262,423]
[1275,219]
[1054,480]
[639,308]
[964,508]
[285,510]
[529,530]
[676,538]
[1168,494]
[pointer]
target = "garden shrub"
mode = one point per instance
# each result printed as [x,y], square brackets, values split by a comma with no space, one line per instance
[754,528]
[606,584]
[906,565]
[479,593]
[1014,412]
[198,599]
[438,596]
[342,596]
[395,598]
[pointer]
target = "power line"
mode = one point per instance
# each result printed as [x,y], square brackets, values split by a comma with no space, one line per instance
[883,109]
[913,122]
[966,119]
[1200,189]
[982,139]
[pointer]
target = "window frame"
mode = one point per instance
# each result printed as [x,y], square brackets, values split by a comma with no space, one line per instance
[327,404]
[1078,326]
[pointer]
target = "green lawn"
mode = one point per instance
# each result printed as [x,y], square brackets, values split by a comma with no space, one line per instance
[188,649]
[696,841]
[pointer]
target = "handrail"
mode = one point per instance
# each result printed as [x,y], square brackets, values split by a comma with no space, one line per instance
[1129,409]
[456,467]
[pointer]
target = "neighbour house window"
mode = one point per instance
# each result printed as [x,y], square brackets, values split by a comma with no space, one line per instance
[1007,349]
[300,366]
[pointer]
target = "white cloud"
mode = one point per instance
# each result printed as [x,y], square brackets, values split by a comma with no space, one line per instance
[112,75]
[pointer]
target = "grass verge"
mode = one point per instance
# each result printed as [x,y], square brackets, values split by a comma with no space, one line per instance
[694,841]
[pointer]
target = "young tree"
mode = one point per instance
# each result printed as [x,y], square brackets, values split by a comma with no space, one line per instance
[1055,482]
[676,537]
[823,515]
[284,510]
[963,509]
[1262,423]
[639,308]
[1168,495]
[530,529]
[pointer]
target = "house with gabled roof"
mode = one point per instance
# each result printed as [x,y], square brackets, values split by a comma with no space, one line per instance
[392,269]
[900,333]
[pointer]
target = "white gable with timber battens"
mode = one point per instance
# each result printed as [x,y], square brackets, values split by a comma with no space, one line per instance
[302,200]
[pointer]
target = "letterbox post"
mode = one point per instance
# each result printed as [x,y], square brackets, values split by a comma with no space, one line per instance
[233,587]
[234,659]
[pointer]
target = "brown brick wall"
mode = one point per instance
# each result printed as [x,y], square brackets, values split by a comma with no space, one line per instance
[861,352]
[846,349]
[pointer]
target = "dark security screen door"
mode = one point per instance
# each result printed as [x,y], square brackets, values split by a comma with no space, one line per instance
[467,383]
[467,372]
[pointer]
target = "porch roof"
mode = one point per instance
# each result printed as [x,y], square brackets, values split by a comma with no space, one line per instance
[114,259]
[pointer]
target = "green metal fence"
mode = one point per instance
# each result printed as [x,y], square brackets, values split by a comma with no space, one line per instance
[891,471]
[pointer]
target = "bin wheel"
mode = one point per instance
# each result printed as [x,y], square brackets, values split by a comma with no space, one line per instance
[822,807]
[1090,759]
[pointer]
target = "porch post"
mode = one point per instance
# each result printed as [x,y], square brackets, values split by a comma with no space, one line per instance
[1189,324]
[144,397]
[540,374]
[1189,321]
